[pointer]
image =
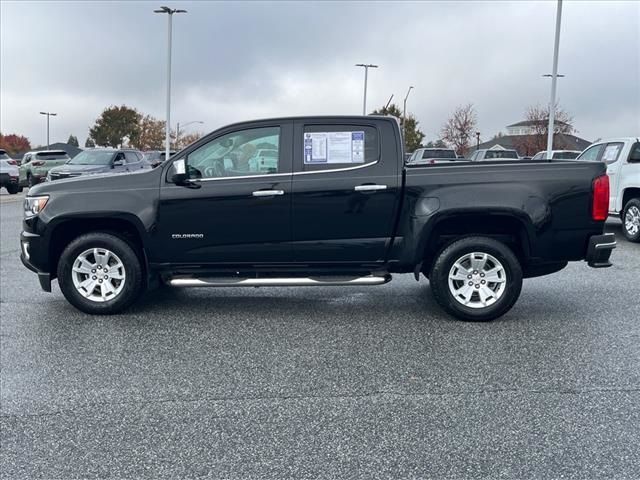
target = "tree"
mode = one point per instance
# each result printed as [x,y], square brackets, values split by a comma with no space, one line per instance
[116,124]
[73,140]
[188,139]
[14,144]
[413,135]
[89,143]
[538,118]
[151,134]
[460,127]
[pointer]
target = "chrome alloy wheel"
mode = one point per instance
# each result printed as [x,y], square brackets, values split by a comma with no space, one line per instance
[477,280]
[98,274]
[632,220]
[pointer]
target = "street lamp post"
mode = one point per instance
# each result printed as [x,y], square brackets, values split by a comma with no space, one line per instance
[477,141]
[169,12]
[366,71]
[554,78]
[183,126]
[404,114]
[48,114]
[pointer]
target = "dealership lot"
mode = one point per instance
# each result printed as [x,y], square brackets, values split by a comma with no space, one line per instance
[294,383]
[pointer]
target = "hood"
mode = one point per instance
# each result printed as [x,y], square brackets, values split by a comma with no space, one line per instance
[100,181]
[69,168]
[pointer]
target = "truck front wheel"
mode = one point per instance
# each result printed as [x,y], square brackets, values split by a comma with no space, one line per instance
[476,279]
[631,220]
[100,273]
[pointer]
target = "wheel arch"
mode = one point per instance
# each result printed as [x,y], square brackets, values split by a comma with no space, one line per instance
[508,227]
[123,225]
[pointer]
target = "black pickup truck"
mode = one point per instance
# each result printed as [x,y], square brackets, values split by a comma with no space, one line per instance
[316,201]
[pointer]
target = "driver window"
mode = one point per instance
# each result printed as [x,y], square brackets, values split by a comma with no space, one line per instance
[247,152]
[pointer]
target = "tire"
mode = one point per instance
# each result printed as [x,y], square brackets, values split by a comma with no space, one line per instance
[30,182]
[13,189]
[631,220]
[122,262]
[485,300]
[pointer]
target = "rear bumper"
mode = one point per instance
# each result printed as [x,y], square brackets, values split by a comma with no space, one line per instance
[599,251]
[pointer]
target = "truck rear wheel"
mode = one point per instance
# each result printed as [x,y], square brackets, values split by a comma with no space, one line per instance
[631,220]
[476,279]
[100,273]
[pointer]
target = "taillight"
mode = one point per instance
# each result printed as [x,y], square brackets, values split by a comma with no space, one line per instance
[12,162]
[37,163]
[600,205]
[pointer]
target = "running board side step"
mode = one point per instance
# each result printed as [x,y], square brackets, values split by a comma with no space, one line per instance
[277,282]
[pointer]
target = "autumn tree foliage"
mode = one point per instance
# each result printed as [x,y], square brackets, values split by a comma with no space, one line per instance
[460,128]
[14,144]
[151,134]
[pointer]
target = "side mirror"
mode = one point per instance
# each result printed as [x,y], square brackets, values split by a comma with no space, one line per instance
[118,163]
[180,178]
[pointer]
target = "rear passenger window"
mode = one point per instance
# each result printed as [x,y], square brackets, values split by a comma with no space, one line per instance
[612,152]
[634,157]
[329,147]
[131,157]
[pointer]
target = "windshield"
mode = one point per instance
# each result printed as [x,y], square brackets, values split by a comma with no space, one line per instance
[444,153]
[93,157]
[500,154]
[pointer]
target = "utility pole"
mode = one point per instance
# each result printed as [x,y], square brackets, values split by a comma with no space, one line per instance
[404,115]
[48,114]
[477,141]
[366,71]
[167,133]
[554,79]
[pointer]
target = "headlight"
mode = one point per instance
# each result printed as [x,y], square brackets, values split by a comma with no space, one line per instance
[34,205]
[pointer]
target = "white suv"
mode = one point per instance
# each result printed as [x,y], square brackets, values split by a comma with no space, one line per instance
[622,156]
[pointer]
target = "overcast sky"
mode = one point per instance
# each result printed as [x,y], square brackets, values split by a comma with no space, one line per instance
[238,61]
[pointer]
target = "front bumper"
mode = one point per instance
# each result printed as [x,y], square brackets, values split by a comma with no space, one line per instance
[31,249]
[599,251]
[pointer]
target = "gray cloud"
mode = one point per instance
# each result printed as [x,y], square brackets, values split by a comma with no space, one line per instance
[240,60]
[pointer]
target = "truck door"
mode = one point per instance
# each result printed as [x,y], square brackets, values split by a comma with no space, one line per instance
[237,211]
[611,156]
[346,190]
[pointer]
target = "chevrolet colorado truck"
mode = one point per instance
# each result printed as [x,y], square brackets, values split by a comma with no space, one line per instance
[334,205]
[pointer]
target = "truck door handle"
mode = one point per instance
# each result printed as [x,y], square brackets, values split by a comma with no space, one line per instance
[267,193]
[370,188]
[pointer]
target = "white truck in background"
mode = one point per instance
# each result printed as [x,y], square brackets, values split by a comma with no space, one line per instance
[622,156]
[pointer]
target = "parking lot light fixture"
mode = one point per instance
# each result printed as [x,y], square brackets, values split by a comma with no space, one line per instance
[48,114]
[366,67]
[554,79]
[169,12]
[404,115]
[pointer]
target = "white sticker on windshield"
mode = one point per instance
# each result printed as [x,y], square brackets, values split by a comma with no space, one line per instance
[610,153]
[333,147]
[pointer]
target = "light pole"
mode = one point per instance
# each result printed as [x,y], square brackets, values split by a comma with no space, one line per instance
[366,66]
[554,79]
[404,114]
[167,133]
[48,114]
[184,125]
[477,141]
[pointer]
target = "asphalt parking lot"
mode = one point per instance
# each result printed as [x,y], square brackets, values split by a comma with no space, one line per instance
[322,383]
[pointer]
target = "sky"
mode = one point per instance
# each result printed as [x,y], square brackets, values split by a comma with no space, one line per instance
[236,61]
